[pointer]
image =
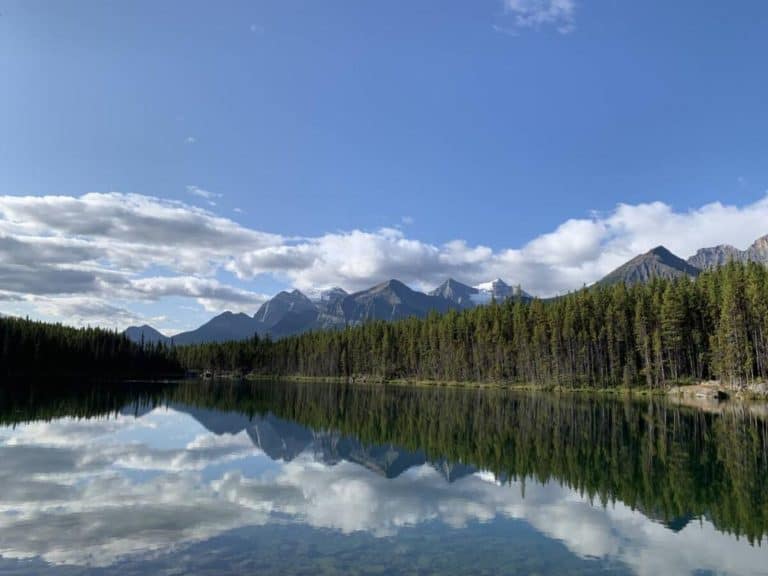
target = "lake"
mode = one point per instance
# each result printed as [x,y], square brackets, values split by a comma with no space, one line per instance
[318,478]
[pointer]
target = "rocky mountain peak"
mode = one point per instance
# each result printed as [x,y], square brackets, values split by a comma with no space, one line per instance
[656,263]
[758,252]
[455,292]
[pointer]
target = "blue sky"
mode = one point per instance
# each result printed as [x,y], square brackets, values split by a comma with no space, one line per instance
[457,133]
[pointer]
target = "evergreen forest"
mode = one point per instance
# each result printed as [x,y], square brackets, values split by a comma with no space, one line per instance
[652,334]
[38,349]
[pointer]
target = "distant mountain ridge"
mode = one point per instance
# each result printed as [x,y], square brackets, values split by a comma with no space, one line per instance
[391,300]
[145,334]
[656,263]
[226,326]
[290,313]
[661,263]
[456,292]
[282,305]
[715,256]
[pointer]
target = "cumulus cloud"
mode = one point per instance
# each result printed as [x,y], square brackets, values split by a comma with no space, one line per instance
[97,245]
[116,249]
[537,13]
[112,220]
[82,310]
[212,294]
[578,252]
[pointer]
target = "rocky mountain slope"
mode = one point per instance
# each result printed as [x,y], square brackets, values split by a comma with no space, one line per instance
[656,263]
[390,300]
[290,313]
[715,256]
[456,292]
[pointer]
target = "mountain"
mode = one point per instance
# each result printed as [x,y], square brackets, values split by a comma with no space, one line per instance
[390,300]
[332,295]
[498,290]
[287,314]
[297,322]
[290,313]
[457,293]
[707,258]
[283,304]
[657,263]
[226,326]
[758,252]
[146,334]
[329,317]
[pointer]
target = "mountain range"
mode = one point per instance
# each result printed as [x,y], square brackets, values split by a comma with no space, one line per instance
[718,255]
[290,313]
[661,263]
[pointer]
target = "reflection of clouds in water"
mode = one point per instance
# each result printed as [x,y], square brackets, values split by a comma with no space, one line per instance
[75,494]
[111,517]
[350,498]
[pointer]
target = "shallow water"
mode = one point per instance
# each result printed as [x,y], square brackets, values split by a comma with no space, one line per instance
[275,478]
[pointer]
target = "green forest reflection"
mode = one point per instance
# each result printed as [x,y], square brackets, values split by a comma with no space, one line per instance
[673,463]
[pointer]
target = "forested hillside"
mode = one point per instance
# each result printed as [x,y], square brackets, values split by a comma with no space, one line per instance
[39,349]
[648,334]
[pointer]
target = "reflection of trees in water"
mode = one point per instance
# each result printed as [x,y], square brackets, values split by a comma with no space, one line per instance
[673,463]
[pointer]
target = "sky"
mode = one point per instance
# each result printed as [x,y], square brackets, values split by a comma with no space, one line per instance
[164,162]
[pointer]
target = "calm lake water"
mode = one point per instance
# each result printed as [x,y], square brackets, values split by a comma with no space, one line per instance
[270,478]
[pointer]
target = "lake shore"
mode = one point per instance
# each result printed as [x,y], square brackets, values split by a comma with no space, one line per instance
[686,392]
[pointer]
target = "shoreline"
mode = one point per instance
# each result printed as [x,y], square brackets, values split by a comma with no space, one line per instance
[681,391]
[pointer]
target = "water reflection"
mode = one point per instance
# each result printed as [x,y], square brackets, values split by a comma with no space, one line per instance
[180,467]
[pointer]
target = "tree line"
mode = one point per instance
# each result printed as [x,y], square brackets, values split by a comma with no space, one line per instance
[40,349]
[713,327]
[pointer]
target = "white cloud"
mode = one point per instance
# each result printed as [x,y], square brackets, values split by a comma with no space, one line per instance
[201,193]
[578,252]
[72,258]
[84,310]
[537,13]
[210,293]
[90,258]
[190,140]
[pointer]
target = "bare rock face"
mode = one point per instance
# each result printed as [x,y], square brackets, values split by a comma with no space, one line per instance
[390,300]
[657,263]
[456,292]
[758,252]
[708,258]
[275,310]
